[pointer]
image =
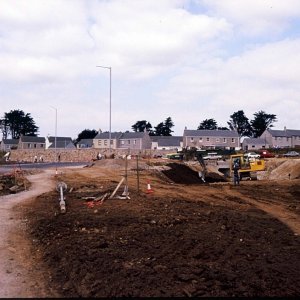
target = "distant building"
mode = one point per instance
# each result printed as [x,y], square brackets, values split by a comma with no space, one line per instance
[166,142]
[254,144]
[60,143]
[123,140]
[31,142]
[85,143]
[287,138]
[9,144]
[211,139]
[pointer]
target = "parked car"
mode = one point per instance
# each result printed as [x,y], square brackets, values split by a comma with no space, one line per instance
[212,156]
[291,154]
[266,154]
[251,155]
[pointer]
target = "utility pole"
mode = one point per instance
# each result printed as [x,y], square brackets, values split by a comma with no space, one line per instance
[109,104]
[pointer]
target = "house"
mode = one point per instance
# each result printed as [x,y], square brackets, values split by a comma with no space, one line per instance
[211,139]
[254,144]
[287,138]
[101,140]
[166,142]
[123,140]
[8,144]
[134,140]
[31,142]
[85,143]
[61,142]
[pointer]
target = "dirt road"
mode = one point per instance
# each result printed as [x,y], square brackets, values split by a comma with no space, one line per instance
[19,276]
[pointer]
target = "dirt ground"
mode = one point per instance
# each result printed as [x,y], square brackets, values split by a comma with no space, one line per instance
[175,236]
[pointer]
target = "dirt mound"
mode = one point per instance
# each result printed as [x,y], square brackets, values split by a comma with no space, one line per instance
[181,173]
[289,166]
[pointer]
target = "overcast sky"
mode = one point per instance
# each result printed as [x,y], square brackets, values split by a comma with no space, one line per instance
[190,60]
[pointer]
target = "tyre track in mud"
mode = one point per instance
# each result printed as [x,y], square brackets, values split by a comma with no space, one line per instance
[276,210]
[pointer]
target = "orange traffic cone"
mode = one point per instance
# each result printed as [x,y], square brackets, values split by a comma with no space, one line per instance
[149,190]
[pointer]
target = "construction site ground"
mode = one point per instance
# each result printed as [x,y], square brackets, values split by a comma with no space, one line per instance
[174,235]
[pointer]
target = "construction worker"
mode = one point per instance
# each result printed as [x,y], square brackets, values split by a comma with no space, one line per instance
[236,175]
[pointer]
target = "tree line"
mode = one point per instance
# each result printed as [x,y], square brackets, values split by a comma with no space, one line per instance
[16,123]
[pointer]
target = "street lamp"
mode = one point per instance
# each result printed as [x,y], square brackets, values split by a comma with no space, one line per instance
[109,104]
[55,138]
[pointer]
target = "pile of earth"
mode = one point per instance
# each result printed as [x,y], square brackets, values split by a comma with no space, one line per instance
[183,174]
[13,183]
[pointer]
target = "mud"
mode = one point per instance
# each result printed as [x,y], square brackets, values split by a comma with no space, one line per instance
[186,239]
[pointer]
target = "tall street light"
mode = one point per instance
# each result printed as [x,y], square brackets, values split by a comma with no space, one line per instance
[109,104]
[55,138]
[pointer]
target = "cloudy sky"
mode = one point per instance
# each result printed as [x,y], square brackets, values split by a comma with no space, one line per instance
[190,60]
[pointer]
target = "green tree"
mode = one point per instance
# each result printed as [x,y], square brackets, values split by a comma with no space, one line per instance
[167,126]
[209,124]
[16,122]
[159,129]
[140,126]
[261,122]
[86,134]
[240,123]
[164,128]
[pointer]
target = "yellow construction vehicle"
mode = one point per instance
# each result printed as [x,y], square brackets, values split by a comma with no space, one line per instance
[247,168]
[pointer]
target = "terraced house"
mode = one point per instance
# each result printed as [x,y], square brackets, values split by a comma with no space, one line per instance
[286,138]
[123,140]
[210,139]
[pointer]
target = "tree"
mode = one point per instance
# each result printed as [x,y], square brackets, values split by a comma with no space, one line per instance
[86,134]
[164,128]
[167,126]
[261,122]
[209,124]
[16,122]
[240,123]
[140,126]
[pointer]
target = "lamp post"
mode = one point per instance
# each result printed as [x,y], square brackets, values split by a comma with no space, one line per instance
[55,138]
[109,104]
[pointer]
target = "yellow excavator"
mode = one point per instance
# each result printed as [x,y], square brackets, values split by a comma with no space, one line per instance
[247,168]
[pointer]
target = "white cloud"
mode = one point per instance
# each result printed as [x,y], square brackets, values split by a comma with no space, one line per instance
[166,61]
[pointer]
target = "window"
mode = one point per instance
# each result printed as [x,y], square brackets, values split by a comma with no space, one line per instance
[192,139]
[122,142]
[128,142]
[34,145]
[217,140]
[200,139]
[111,142]
[207,139]
[134,142]
[224,140]
[233,140]
[99,142]
[105,142]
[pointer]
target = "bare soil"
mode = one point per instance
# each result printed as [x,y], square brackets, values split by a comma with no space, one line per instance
[182,237]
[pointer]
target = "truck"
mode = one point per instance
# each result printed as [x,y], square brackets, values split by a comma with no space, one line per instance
[247,168]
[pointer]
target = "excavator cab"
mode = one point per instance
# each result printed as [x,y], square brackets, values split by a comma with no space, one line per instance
[247,169]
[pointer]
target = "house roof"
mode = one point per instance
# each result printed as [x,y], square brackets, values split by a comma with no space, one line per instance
[105,135]
[216,133]
[62,144]
[59,138]
[284,133]
[88,142]
[10,141]
[167,140]
[32,139]
[254,141]
[132,135]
